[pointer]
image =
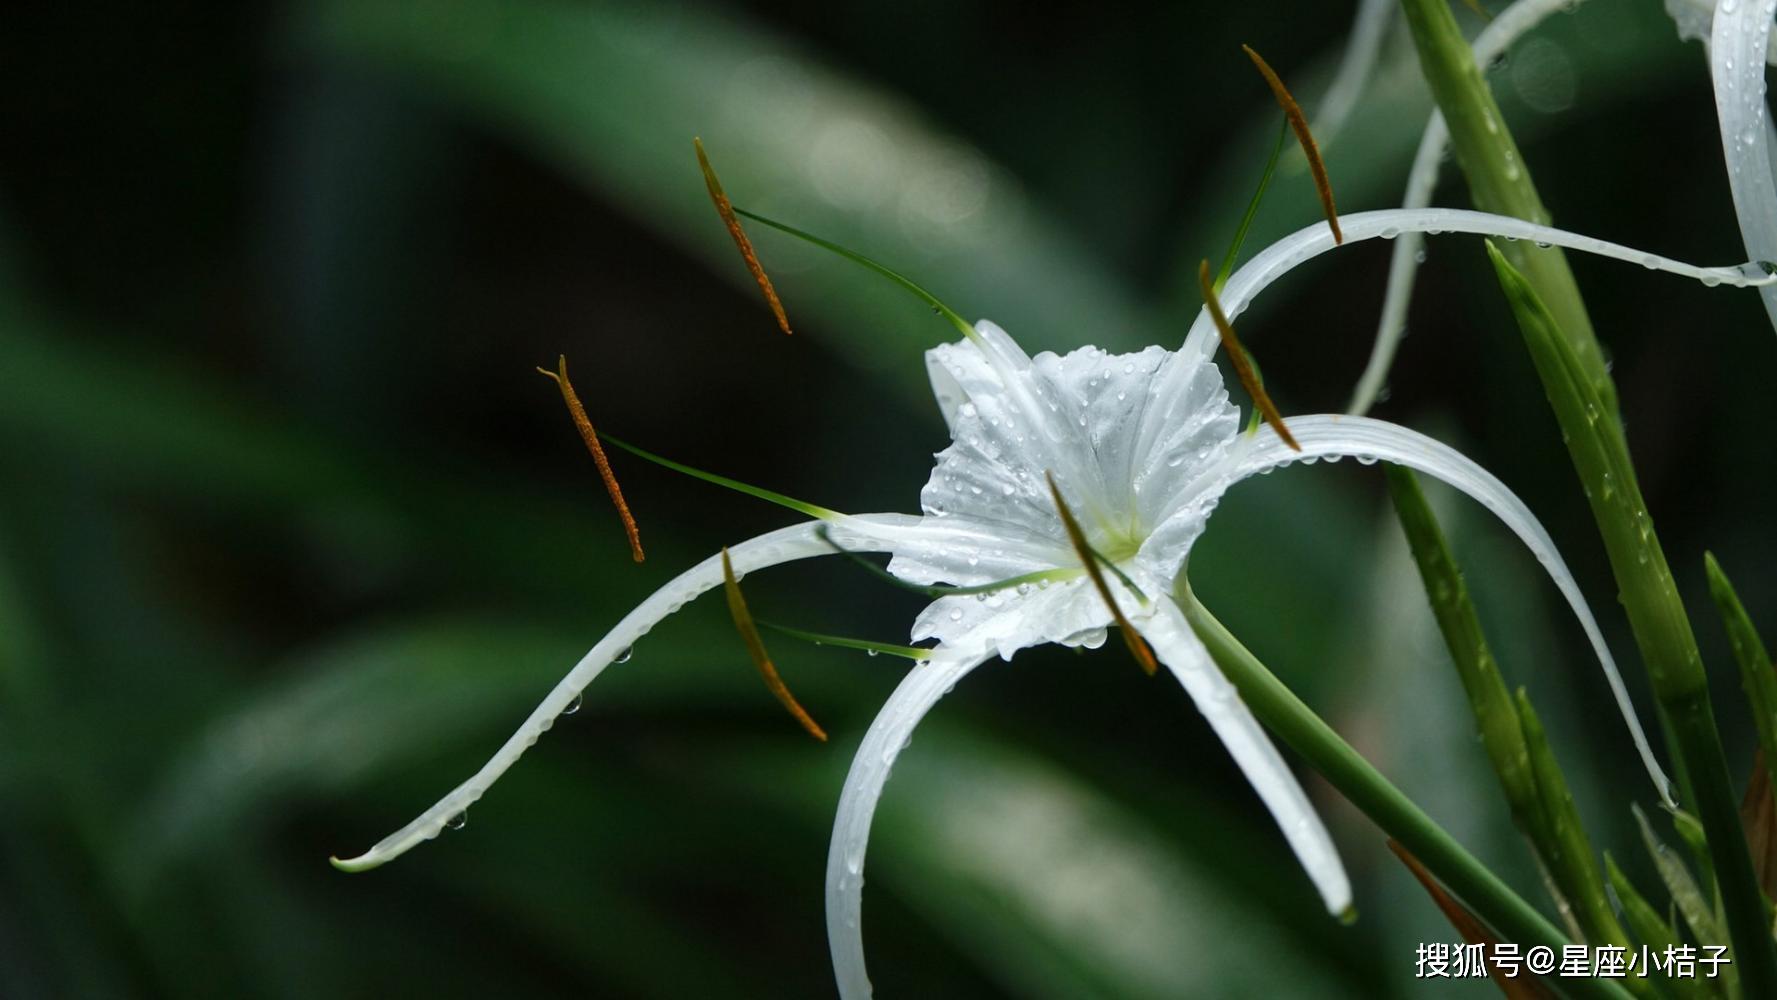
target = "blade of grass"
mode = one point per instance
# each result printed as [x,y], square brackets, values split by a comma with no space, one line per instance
[1651,928]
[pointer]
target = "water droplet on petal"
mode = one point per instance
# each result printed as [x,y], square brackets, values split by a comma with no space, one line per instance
[574,706]
[623,655]
[458,821]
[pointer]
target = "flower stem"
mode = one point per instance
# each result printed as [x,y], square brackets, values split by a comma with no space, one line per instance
[1498,179]
[1657,617]
[1297,725]
[1535,787]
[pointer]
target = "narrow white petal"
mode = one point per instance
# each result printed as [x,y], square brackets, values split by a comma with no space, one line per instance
[1330,435]
[1367,30]
[1286,254]
[888,735]
[1500,34]
[783,545]
[1178,647]
[1738,44]
[1694,18]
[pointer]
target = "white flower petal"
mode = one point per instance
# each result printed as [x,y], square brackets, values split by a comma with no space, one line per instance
[1739,42]
[884,741]
[1500,34]
[1367,30]
[1694,18]
[1286,254]
[799,541]
[1016,418]
[1066,612]
[1333,436]
[1178,647]
[957,551]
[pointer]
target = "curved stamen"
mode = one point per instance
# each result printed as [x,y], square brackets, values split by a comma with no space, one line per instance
[1243,365]
[788,502]
[583,424]
[784,545]
[725,209]
[1299,124]
[1252,209]
[1089,559]
[1370,440]
[918,654]
[857,258]
[749,634]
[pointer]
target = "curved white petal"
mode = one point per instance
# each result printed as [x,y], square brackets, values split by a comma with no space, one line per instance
[1739,41]
[887,736]
[1500,35]
[799,541]
[1694,18]
[1334,436]
[1305,244]
[1178,647]
[1368,27]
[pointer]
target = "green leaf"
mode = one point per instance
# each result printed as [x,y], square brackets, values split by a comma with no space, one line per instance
[1656,615]
[1650,928]
[1756,676]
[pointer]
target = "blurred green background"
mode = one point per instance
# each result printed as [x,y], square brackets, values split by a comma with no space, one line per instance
[292,535]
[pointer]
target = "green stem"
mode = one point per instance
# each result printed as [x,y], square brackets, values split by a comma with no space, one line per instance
[1498,179]
[1541,802]
[1297,725]
[1657,617]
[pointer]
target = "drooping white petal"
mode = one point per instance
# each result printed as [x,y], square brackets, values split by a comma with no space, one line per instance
[1694,18]
[1178,647]
[1329,435]
[1368,27]
[886,738]
[1739,41]
[799,541]
[1500,35]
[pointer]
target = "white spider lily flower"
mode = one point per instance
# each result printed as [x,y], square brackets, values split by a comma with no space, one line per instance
[1142,447]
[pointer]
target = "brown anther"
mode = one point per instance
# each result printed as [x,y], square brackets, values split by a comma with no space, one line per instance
[749,633]
[584,425]
[1299,124]
[1089,559]
[725,209]
[1242,366]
